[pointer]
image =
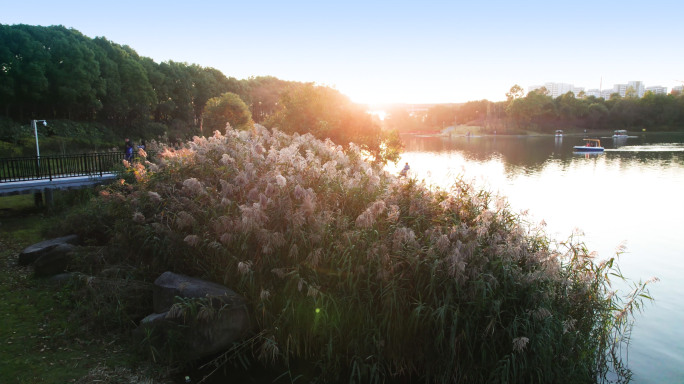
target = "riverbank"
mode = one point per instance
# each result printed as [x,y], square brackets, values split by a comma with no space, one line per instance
[475,131]
[334,251]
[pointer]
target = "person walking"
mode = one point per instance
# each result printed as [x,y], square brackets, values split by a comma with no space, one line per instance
[128,152]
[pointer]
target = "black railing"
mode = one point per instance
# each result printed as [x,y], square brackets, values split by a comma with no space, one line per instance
[54,167]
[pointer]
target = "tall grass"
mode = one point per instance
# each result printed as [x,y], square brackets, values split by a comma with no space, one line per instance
[356,276]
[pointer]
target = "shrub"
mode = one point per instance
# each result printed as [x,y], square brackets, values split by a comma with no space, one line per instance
[354,275]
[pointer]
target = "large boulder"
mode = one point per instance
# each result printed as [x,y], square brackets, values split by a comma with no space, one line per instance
[54,261]
[201,317]
[33,252]
[169,285]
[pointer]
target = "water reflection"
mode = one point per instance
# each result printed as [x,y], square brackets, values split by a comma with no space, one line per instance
[531,152]
[619,141]
[633,191]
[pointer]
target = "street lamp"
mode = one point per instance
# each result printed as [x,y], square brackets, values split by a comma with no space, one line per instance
[35,132]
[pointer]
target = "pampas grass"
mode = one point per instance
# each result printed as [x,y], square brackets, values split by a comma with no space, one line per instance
[354,275]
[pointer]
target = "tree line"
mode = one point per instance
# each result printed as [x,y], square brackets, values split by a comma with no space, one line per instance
[94,90]
[56,73]
[538,111]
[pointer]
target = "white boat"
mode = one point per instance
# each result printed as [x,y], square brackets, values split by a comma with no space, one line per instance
[620,133]
[559,133]
[592,145]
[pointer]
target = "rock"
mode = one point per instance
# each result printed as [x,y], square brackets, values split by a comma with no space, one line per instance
[206,325]
[33,252]
[169,285]
[54,261]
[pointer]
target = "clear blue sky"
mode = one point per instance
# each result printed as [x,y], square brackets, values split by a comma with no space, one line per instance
[393,51]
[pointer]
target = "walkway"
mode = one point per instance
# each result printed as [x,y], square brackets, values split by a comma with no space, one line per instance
[37,186]
[37,175]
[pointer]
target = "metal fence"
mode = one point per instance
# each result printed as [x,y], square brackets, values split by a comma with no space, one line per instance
[55,167]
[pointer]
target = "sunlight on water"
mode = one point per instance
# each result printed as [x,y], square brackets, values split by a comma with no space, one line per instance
[630,195]
[670,147]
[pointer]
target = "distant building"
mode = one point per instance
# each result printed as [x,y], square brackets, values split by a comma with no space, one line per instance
[606,93]
[557,89]
[658,90]
[594,92]
[620,89]
[638,86]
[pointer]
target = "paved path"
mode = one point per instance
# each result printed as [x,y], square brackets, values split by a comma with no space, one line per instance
[33,186]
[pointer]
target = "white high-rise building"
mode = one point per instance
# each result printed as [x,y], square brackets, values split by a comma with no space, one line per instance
[606,93]
[620,89]
[658,90]
[638,86]
[594,92]
[557,89]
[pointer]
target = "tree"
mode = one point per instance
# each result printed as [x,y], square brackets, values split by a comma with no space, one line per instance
[534,108]
[326,113]
[570,108]
[596,113]
[226,109]
[262,94]
[631,93]
[75,81]
[515,92]
[473,111]
[440,116]
[23,60]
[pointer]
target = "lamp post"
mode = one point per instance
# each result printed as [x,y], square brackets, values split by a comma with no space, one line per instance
[34,125]
[38,196]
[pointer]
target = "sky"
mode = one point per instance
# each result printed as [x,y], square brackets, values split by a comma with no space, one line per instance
[396,51]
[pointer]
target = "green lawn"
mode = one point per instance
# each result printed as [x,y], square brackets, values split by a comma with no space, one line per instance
[41,341]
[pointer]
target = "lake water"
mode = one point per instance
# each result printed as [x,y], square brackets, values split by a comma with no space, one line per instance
[631,195]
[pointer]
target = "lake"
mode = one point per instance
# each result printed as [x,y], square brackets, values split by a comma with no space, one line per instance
[630,195]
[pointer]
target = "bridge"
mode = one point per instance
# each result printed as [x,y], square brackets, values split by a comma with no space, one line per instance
[19,175]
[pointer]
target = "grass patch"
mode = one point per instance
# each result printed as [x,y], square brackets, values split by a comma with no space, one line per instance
[41,340]
[20,218]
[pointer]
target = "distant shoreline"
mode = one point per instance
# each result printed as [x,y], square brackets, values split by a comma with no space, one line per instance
[593,133]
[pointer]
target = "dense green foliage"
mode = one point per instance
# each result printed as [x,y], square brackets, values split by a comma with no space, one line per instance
[228,108]
[353,275]
[661,112]
[56,73]
[537,111]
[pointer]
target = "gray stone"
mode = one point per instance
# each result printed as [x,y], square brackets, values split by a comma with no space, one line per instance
[169,285]
[219,316]
[33,252]
[54,261]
